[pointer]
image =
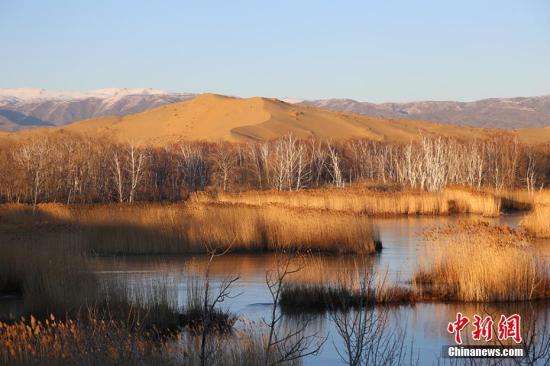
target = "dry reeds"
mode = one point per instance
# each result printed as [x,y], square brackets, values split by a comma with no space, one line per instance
[537,222]
[61,342]
[363,201]
[276,228]
[54,278]
[194,315]
[92,341]
[315,288]
[180,228]
[481,263]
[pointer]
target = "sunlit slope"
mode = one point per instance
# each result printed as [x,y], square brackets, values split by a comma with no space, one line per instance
[213,118]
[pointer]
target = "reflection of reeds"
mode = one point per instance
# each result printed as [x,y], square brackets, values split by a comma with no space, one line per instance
[451,200]
[481,263]
[156,228]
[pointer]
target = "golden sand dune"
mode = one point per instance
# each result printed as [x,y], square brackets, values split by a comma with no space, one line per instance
[213,117]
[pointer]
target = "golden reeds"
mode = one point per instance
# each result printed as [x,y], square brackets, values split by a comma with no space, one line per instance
[190,228]
[537,222]
[92,341]
[522,199]
[364,201]
[316,288]
[481,263]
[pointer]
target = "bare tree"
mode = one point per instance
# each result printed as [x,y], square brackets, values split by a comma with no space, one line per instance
[193,165]
[211,301]
[368,337]
[335,168]
[295,344]
[31,157]
[224,163]
[531,172]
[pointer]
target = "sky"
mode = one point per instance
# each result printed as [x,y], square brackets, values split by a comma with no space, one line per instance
[365,50]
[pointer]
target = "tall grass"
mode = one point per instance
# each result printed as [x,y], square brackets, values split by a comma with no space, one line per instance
[522,199]
[364,201]
[54,278]
[181,228]
[537,222]
[315,288]
[112,342]
[481,263]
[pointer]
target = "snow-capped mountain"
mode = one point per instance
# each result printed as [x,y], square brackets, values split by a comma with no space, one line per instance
[22,108]
[27,108]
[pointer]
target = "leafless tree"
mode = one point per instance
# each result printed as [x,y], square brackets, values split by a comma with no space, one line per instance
[335,166]
[210,301]
[367,336]
[224,163]
[284,347]
[31,157]
[193,165]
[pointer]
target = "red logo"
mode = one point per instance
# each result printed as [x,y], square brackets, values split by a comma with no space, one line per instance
[509,327]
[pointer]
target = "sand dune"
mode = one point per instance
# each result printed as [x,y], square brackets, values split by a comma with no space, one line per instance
[213,117]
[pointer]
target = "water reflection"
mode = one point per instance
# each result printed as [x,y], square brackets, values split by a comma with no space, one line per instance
[424,324]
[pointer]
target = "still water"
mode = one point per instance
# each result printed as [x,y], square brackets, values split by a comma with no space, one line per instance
[403,250]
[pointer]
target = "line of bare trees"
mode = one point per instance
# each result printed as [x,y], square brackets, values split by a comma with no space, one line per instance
[70,168]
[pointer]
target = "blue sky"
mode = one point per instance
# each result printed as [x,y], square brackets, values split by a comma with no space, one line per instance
[366,50]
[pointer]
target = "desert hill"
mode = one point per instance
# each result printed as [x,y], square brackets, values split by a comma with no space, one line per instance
[213,117]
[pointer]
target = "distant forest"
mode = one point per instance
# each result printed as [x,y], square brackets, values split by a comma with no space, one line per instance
[76,169]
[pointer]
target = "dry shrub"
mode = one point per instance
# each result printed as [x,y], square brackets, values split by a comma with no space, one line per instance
[481,263]
[364,201]
[537,222]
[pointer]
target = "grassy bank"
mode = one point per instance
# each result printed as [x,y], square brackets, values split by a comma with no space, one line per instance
[373,203]
[481,263]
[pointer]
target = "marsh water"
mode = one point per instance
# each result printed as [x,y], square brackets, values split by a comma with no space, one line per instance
[403,251]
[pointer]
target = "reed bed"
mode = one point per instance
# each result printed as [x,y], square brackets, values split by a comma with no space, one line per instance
[537,222]
[477,262]
[364,201]
[522,199]
[54,278]
[194,316]
[112,342]
[190,228]
[316,288]
[61,342]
